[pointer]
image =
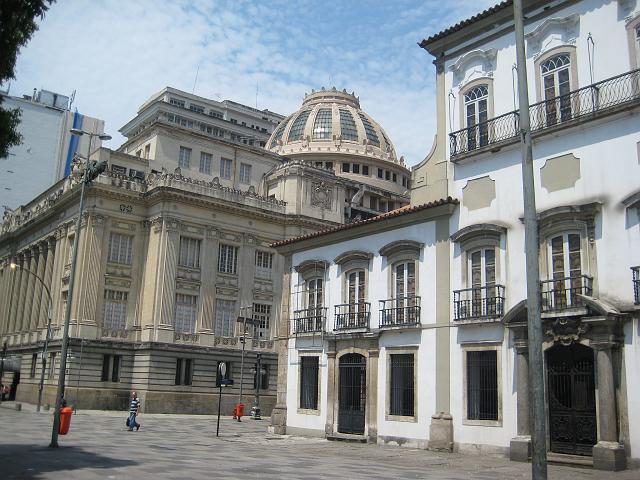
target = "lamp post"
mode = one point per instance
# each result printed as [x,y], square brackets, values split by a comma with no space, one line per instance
[258,371]
[243,318]
[88,174]
[13,267]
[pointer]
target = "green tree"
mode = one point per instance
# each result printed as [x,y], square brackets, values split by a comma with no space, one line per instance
[17,24]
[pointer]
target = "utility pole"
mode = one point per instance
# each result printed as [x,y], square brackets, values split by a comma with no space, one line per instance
[534,322]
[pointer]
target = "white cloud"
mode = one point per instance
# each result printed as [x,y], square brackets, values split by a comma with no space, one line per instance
[117,53]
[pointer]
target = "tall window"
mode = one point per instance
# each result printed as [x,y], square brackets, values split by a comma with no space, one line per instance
[347,126]
[225,318]
[404,293]
[120,247]
[225,168]
[52,365]
[111,368]
[245,173]
[115,310]
[34,364]
[482,385]
[185,313]
[227,259]
[189,252]
[314,295]
[297,127]
[566,269]
[482,273]
[264,264]
[322,124]
[475,105]
[184,371]
[356,286]
[205,162]
[261,318]
[401,385]
[184,158]
[309,382]
[556,85]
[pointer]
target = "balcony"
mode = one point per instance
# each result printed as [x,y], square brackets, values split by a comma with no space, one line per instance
[636,285]
[352,316]
[478,303]
[594,101]
[562,293]
[309,320]
[400,312]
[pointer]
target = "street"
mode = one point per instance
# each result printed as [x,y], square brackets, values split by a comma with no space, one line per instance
[185,446]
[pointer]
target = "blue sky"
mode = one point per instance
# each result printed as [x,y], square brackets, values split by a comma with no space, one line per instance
[117,53]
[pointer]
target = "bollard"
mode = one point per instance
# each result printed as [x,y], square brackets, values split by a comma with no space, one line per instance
[18,407]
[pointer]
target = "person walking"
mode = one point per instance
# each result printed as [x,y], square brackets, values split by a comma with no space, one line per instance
[134,408]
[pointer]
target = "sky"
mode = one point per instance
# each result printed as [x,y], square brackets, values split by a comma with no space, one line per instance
[116,54]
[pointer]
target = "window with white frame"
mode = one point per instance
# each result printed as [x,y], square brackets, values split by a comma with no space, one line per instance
[556,85]
[245,173]
[476,115]
[482,281]
[264,264]
[189,252]
[402,307]
[565,267]
[205,162]
[184,158]
[261,320]
[225,168]
[120,247]
[185,313]
[482,385]
[356,287]
[115,310]
[314,295]
[401,385]
[227,259]
[225,318]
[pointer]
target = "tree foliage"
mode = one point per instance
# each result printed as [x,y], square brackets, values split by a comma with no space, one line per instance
[17,25]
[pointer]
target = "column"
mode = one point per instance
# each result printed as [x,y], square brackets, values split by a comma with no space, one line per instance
[169,265]
[372,404]
[151,277]
[520,447]
[43,317]
[5,295]
[31,287]
[22,291]
[90,263]
[59,260]
[608,454]
[209,265]
[39,291]
[329,428]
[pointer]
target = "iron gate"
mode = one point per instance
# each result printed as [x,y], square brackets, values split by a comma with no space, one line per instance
[572,402]
[352,394]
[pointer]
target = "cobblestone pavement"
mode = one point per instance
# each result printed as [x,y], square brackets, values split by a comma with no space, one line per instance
[185,446]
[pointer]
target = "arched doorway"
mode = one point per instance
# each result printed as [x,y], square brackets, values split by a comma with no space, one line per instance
[572,400]
[352,394]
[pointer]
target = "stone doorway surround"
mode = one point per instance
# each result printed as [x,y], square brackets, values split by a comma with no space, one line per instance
[599,328]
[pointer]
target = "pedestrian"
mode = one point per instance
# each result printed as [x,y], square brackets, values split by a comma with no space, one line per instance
[134,408]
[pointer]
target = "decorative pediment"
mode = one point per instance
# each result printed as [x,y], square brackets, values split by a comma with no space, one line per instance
[402,248]
[480,62]
[553,32]
[487,232]
[353,256]
[312,268]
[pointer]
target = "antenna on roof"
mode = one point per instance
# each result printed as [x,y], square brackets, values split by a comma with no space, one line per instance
[196,80]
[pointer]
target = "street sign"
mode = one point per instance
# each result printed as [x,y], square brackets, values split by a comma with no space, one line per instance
[222,370]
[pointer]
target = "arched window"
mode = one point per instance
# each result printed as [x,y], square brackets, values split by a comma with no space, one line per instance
[475,106]
[322,124]
[556,83]
[347,125]
[297,128]
[565,267]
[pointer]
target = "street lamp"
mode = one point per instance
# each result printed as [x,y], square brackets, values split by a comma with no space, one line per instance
[89,173]
[244,320]
[13,267]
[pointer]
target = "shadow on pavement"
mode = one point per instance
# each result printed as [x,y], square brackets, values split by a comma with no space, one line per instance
[25,461]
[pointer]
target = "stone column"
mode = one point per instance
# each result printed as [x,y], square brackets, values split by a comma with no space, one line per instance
[31,288]
[39,291]
[22,291]
[209,265]
[372,395]
[279,412]
[5,295]
[520,448]
[167,284]
[608,454]
[43,317]
[329,428]
[59,260]
[151,277]
[91,265]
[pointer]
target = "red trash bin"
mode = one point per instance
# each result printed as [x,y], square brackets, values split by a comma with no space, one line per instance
[238,411]
[65,420]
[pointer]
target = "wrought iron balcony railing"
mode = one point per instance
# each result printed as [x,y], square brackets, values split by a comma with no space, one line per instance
[309,320]
[400,312]
[562,293]
[636,285]
[478,302]
[352,316]
[591,101]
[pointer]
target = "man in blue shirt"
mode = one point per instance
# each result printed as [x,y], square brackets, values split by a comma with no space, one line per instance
[134,408]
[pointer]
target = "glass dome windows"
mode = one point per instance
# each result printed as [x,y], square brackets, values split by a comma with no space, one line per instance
[368,128]
[348,126]
[297,129]
[279,132]
[322,124]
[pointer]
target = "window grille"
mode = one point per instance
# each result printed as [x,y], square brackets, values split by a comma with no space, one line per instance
[227,259]
[205,162]
[185,313]
[120,248]
[401,385]
[482,385]
[225,168]
[264,264]
[309,382]
[115,310]
[261,317]
[185,157]
[322,124]
[348,128]
[189,252]
[225,318]
[245,173]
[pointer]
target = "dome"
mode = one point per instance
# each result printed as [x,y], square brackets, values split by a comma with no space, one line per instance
[331,121]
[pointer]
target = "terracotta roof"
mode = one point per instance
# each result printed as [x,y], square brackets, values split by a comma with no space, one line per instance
[464,23]
[385,216]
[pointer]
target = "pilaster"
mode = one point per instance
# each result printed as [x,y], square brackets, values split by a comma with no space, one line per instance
[22,291]
[209,266]
[169,265]
[520,447]
[91,264]
[39,291]
[372,397]
[45,306]
[59,260]
[152,278]
[331,388]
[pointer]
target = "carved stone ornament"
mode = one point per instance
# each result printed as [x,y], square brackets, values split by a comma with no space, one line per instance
[566,330]
[321,195]
[553,32]
[185,337]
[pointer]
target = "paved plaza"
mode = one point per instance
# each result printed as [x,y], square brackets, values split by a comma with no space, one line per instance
[185,446]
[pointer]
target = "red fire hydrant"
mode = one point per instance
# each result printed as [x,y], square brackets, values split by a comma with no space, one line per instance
[238,411]
[65,420]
